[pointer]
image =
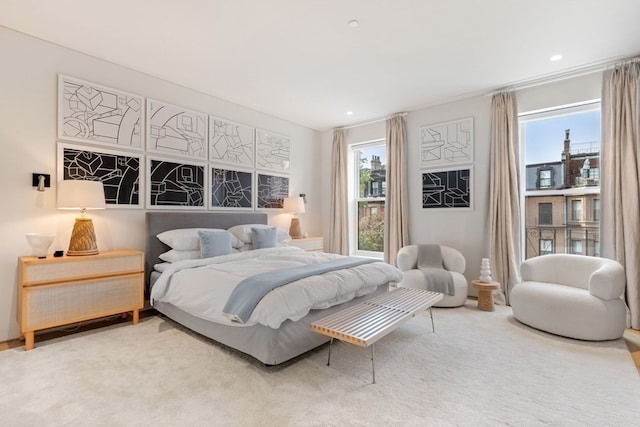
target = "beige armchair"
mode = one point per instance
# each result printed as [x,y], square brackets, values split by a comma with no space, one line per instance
[452,260]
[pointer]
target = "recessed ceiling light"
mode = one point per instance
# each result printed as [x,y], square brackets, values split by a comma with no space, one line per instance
[349,113]
[556,57]
[354,23]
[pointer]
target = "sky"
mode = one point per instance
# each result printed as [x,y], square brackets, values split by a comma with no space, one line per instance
[544,139]
[377,151]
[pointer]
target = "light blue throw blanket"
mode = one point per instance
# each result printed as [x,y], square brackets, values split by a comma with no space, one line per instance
[246,296]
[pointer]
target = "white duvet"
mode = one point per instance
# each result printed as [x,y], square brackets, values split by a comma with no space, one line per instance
[201,287]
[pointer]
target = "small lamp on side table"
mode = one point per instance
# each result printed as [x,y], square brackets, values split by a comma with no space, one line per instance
[294,205]
[81,195]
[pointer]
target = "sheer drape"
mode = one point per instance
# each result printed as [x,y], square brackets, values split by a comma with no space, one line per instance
[338,221]
[620,176]
[504,194]
[396,226]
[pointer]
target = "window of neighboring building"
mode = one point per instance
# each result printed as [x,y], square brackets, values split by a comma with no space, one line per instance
[596,248]
[546,246]
[576,247]
[576,210]
[370,173]
[560,162]
[545,213]
[596,209]
[544,178]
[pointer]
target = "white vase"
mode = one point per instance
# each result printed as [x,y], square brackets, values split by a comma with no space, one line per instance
[485,271]
[40,243]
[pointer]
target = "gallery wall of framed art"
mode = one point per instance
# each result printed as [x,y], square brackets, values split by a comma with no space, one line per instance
[157,155]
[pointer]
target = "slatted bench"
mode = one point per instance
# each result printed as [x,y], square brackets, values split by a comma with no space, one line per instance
[365,323]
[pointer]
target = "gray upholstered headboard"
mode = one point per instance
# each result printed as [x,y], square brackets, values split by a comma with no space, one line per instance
[157,222]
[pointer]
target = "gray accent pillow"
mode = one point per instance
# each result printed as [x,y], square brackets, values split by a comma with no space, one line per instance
[266,237]
[214,243]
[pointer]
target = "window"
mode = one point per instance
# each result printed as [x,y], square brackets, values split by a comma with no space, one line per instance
[546,246]
[576,247]
[596,209]
[544,178]
[370,182]
[596,248]
[560,174]
[576,210]
[545,215]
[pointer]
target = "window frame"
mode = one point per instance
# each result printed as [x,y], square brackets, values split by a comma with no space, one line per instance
[354,195]
[526,117]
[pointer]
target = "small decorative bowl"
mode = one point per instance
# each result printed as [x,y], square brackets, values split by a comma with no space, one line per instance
[40,243]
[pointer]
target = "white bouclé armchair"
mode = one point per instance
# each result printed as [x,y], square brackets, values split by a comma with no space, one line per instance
[574,296]
[452,260]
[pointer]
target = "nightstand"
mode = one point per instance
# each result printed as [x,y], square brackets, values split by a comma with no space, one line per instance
[309,244]
[70,289]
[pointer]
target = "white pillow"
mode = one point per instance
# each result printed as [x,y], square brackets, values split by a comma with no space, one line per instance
[187,239]
[175,255]
[243,232]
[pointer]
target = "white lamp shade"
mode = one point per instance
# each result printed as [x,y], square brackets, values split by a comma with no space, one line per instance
[79,194]
[293,205]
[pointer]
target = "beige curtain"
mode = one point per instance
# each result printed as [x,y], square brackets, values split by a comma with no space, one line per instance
[338,221]
[396,226]
[620,176]
[504,194]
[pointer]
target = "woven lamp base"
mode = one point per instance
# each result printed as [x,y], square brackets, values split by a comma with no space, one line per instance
[294,230]
[83,238]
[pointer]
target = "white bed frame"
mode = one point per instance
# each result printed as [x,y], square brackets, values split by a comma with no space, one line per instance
[270,346]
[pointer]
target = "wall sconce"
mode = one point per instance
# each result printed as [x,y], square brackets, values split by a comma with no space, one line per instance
[294,205]
[41,181]
[81,195]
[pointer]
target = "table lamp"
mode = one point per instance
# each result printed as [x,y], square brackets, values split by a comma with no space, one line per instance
[81,195]
[294,205]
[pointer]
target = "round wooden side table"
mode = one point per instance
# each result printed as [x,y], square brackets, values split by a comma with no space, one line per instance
[485,294]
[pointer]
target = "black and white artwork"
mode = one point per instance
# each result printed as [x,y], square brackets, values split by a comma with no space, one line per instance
[447,143]
[88,112]
[231,189]
[273,151]
[231,143]
[120,172]
[175,184]
[450,188]
[176,131]
[271,191]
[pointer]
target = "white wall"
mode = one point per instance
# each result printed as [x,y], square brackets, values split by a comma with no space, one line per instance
[28,105]
[465,230]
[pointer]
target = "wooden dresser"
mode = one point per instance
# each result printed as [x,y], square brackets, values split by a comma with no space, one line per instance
[69,289]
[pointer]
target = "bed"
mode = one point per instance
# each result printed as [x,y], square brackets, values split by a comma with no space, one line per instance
[269,345]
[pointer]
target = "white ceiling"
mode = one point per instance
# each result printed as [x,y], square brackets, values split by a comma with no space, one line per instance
[300,61]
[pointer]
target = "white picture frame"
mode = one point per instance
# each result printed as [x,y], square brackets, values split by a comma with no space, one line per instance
[121,172]
[273,151]
[176,184]
[176,131]
[447,188]
[96,114]
[230,188]
[270,190]
[231,143]
[446,144]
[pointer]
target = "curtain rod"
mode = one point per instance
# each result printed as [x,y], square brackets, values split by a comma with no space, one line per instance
[557,77]
[372,121]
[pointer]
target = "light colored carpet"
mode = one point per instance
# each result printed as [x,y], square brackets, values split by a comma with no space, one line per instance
[479,368]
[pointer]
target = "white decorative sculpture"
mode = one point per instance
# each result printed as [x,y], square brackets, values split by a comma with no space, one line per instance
[40,243]
[485,271]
